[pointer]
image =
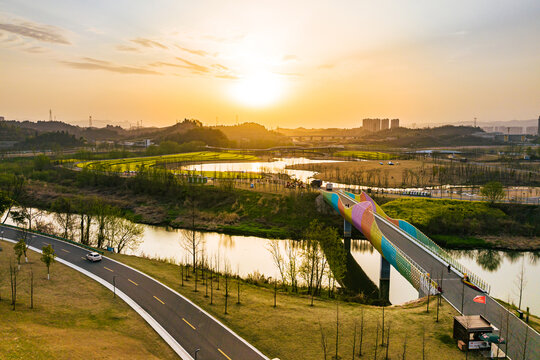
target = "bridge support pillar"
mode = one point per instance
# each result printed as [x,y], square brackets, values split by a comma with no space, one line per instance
[347,229]
[384,280]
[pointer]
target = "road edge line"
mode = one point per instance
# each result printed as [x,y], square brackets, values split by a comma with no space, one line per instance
[196,306]
[177,348]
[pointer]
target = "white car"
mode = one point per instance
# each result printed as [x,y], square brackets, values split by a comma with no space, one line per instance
[94,256]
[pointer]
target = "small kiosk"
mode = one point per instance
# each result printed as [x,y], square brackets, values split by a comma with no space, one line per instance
[468,330]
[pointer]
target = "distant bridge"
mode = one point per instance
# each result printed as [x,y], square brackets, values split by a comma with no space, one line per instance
[321,137]
[424,264]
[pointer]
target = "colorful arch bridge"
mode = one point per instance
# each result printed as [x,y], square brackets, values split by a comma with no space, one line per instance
[388,235]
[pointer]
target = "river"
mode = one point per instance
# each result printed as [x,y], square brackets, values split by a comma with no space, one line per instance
[249,254]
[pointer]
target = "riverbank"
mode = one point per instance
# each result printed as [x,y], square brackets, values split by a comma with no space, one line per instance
[158,198]
[72,317]
[293,329]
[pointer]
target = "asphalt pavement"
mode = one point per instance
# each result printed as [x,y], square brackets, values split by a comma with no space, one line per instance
[189,325]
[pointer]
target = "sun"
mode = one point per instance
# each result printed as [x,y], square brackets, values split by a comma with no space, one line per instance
[258,89]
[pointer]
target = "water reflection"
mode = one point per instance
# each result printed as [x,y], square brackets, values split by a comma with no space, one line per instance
[248,255]
[278,166]
[361,246]
[490,260]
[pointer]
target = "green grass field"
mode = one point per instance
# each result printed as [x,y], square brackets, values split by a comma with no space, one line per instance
[131,164]
[220,174]
[74,317]
[365,155]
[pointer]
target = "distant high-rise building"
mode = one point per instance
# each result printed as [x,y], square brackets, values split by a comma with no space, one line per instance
[514,130]
[531,130]
[1,118]
[371,124]
[395,123]
[385,124]
[538,130]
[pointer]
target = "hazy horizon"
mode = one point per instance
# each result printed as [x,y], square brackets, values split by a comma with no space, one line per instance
[305,64]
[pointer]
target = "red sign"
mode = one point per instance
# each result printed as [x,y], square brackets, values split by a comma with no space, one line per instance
[479,299]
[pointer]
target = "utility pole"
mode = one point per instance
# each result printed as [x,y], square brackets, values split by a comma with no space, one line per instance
[90,121]
[50,115]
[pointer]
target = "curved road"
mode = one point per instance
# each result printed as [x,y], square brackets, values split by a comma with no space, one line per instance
[189,325]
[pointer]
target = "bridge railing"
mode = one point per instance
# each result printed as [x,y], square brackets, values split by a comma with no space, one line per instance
[419,277]
[426,242]
[423,240]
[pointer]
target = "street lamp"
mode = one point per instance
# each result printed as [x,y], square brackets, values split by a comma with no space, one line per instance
[114,285]
[196,351]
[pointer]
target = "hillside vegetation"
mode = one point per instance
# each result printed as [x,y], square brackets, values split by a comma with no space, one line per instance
[445,219]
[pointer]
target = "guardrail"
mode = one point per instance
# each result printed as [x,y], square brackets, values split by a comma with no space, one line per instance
[429,244]
[421,276]
[54,237]
[424,241]
[407,267]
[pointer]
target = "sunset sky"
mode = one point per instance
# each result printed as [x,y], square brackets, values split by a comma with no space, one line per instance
[278,63]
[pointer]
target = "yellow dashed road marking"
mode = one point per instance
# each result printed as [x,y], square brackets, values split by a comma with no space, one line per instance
[64,250]
[158,299]
[108,269]
[222,353]
[133,282]
[187,322]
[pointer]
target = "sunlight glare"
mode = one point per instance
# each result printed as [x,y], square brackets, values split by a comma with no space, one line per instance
[258,89]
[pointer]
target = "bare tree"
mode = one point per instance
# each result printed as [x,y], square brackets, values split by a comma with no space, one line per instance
[361,334]
[387,341]
[337,330]
[13,281]
[124,234]
[277,257]
[376,341]
[192,241]
[521,282]
[324,341]
[31,288]
[354,342]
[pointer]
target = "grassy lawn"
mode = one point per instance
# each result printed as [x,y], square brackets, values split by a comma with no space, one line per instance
[131,164]
[534,321]
[291,330]
[74,317]
[220,174]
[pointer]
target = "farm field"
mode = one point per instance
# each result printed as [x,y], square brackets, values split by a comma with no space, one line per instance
[131,164]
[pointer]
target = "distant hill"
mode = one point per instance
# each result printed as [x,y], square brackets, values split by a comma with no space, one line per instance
[447,135]
[253,135]
[50,140]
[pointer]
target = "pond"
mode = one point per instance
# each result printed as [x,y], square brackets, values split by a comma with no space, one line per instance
[279,166]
